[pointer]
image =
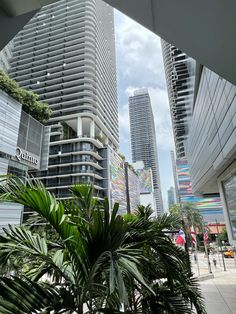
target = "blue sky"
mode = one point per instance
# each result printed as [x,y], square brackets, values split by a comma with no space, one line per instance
[140,64]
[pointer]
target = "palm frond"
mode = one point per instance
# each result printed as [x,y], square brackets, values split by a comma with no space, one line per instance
[97,258]
[24,296]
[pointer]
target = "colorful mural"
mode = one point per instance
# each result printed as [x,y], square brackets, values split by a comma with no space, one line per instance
[210,207]
[134,188]
[185,188]
[145,180]
[117,187]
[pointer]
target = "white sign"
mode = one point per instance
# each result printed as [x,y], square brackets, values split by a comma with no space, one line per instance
[24,155]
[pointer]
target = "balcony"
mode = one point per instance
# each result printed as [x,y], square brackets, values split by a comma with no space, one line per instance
[76,139]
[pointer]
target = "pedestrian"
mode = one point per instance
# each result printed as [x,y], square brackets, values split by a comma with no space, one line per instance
[214,261]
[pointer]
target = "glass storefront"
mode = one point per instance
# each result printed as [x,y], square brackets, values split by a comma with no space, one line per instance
[230,199]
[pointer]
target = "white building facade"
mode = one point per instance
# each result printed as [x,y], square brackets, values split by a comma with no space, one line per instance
[66,54]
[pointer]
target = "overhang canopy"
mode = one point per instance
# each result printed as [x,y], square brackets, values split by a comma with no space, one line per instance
[203,29]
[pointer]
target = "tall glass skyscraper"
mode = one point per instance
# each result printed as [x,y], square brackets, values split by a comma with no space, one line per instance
[66,54]
[179,70]
[203,109]
[143,138]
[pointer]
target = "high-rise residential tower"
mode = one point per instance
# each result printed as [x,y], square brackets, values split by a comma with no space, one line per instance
[143,138]
[66,54]
[179,69]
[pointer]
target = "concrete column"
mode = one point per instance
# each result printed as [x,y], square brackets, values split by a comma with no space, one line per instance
[79,127]
[92,129]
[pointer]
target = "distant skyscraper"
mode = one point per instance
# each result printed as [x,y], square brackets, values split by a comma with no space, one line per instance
[143,138]
[66,54]
[171,196]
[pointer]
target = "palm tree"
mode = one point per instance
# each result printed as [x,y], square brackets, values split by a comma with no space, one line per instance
[191,215]
[95,262]
[166,267]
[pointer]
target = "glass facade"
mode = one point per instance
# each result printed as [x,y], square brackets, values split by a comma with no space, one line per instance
[230,199]
[30,134]
[211,139]
[17,169]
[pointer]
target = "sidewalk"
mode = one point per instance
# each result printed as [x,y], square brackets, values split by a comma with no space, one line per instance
[220,293]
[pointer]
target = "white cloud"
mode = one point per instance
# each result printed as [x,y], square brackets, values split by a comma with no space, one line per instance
[160,107]
[139,65]
[139,53]
[124,123]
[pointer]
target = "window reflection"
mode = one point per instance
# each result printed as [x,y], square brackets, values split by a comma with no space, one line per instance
[230,198]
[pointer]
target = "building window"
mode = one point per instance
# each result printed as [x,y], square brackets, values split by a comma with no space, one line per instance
[230,199]
[17,169]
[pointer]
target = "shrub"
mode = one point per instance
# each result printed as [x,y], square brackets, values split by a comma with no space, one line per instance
[29,100]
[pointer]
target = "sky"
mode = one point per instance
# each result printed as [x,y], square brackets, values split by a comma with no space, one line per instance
[139,65]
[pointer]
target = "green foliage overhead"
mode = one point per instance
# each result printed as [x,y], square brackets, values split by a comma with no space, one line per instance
[96,262]
[121,156]
[131,167]
[29,100]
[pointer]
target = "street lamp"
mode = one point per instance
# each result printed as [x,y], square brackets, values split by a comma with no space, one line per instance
[219,243]
[206,251]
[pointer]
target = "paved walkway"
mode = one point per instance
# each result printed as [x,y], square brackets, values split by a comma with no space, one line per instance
[219,291]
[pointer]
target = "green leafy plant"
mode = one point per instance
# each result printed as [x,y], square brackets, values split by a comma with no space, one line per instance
[97,262]
[223,235]
[131,167]
[99,138]
[29,100]
[191,216]
[121,156]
